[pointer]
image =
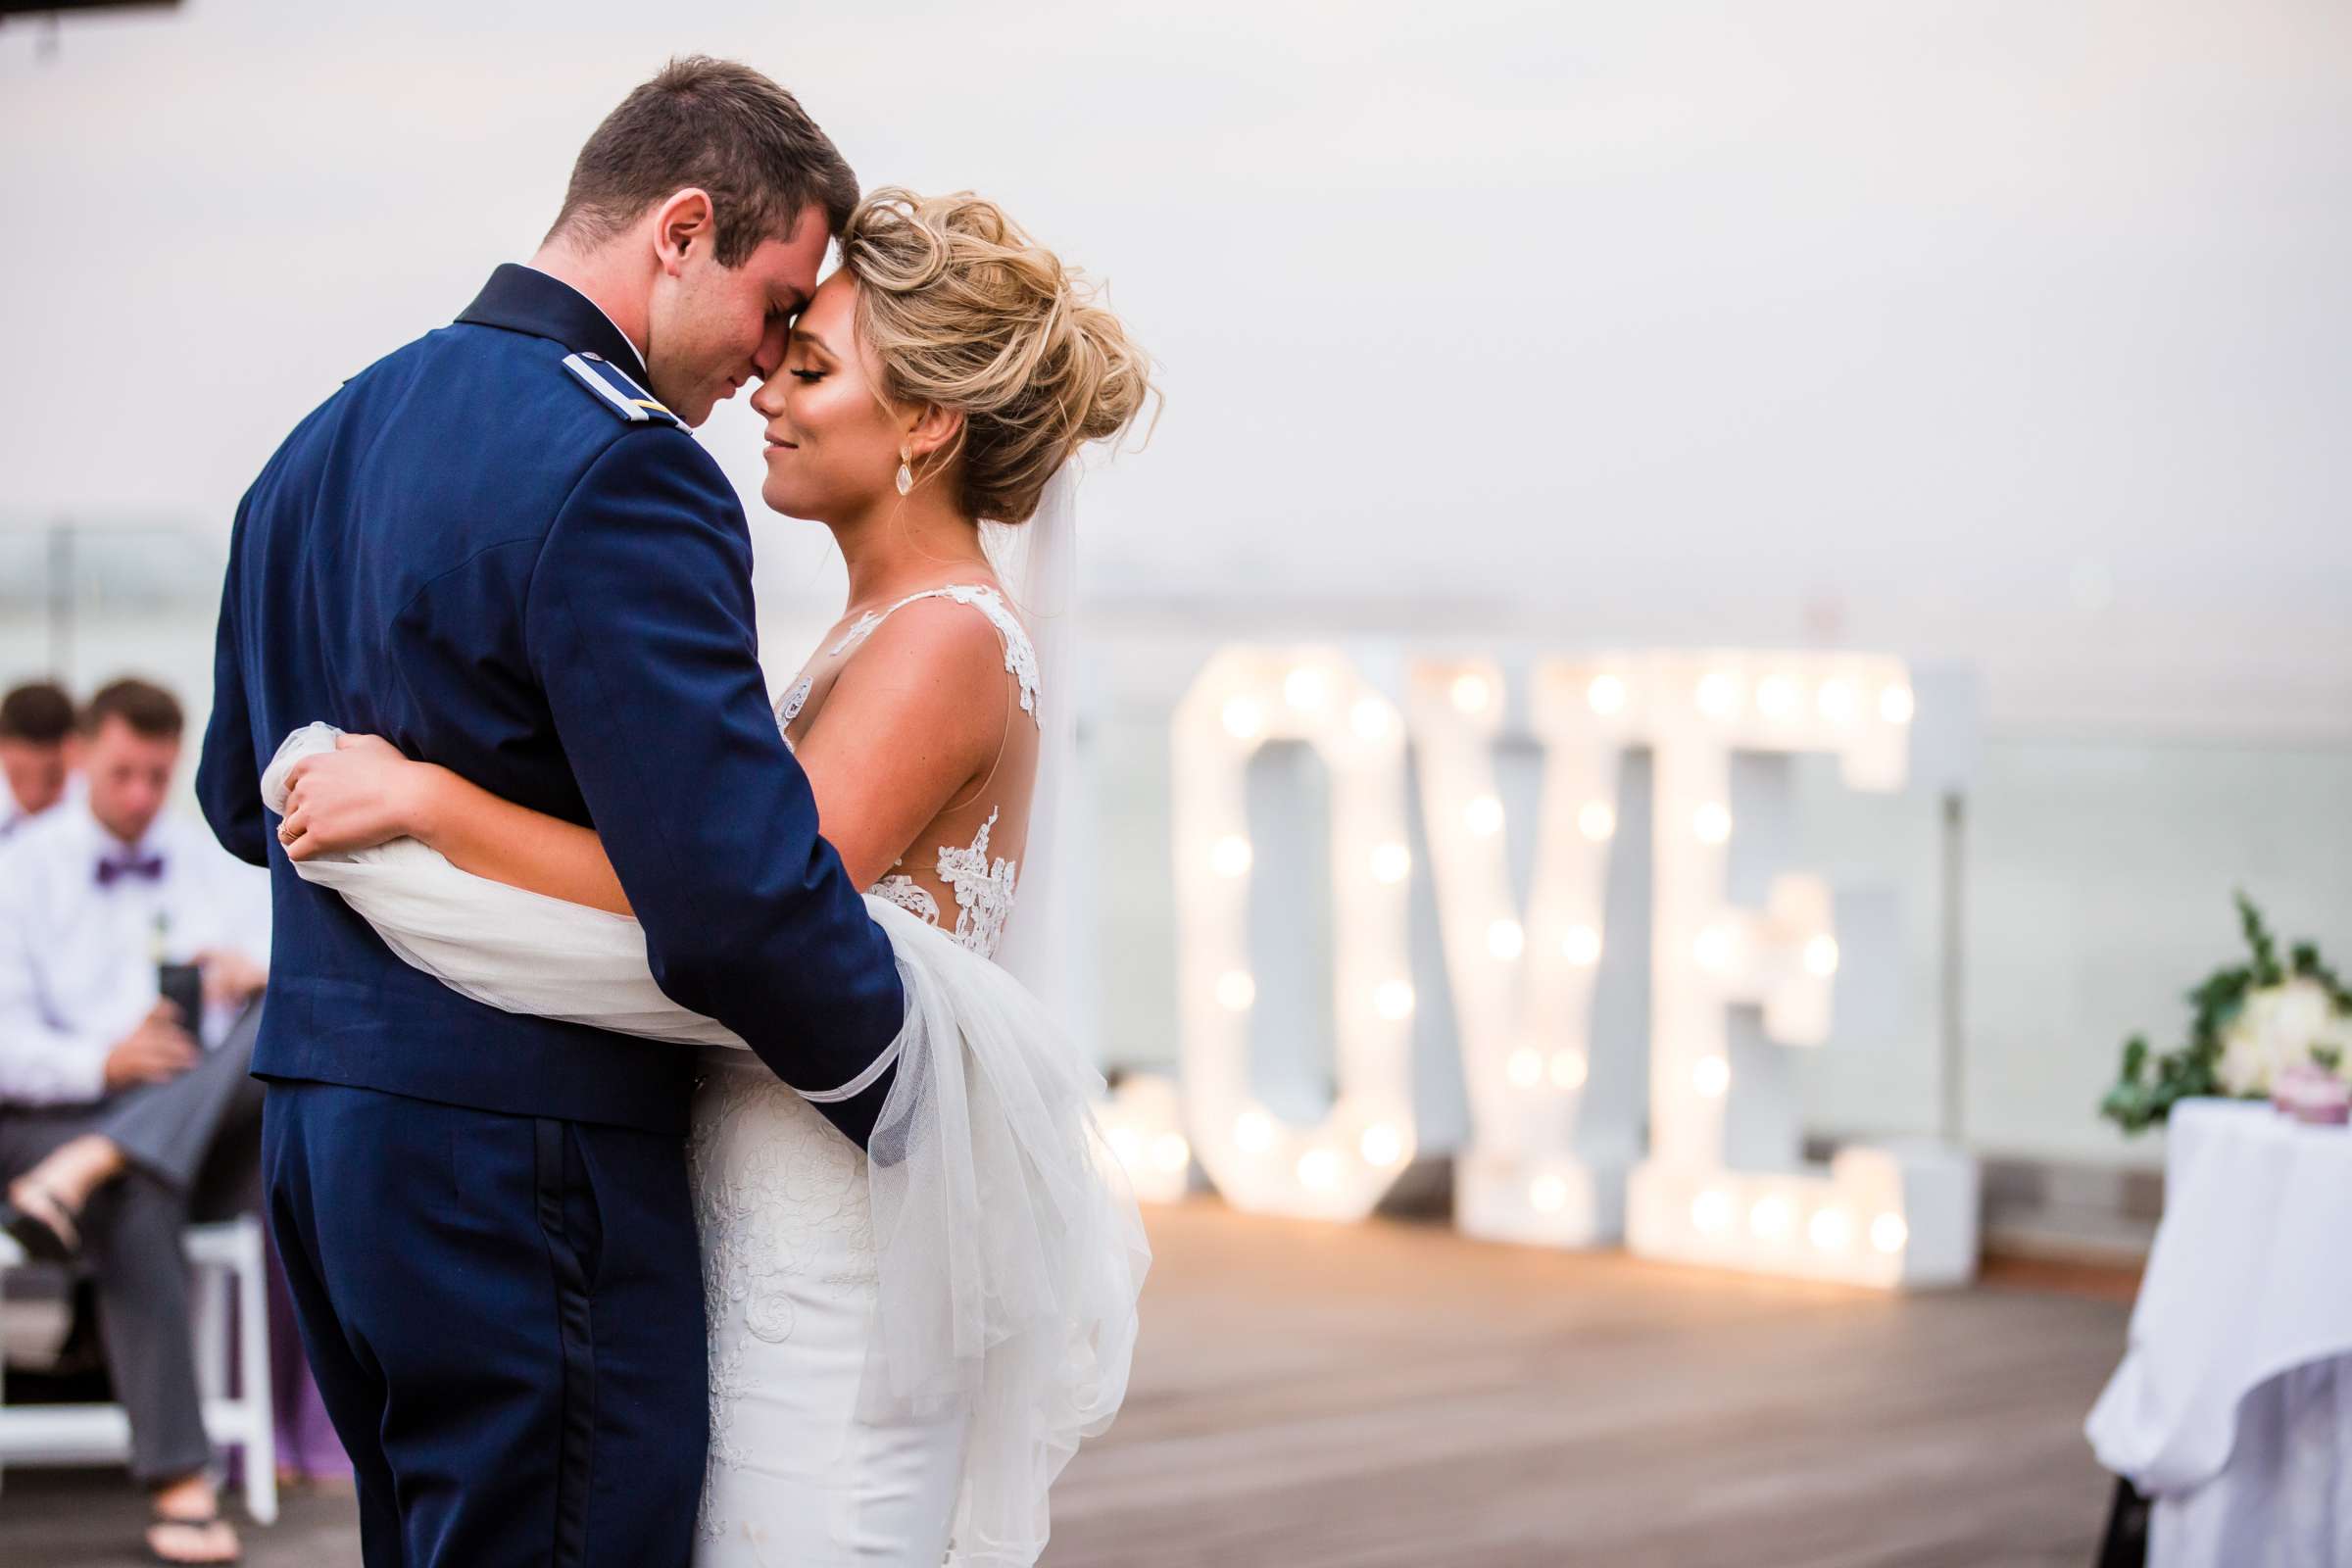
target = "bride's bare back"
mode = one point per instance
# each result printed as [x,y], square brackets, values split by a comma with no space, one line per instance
[918,725]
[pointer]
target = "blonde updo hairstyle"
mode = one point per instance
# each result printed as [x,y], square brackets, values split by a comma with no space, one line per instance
[965,313]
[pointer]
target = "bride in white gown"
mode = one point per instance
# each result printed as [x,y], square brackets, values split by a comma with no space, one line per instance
[904,1352]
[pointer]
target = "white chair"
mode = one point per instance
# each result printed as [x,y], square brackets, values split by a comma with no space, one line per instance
[230,1265]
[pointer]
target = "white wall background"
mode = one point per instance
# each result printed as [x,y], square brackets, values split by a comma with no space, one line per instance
[2006,332]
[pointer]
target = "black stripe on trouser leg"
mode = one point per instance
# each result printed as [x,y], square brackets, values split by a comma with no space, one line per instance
[576,1462]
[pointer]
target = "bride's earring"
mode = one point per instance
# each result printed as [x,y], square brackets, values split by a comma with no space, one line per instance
[906,476]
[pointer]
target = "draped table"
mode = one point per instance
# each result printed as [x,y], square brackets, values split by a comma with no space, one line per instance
[2233,1407]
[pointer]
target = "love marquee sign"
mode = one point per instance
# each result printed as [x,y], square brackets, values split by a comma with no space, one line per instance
[1521,976]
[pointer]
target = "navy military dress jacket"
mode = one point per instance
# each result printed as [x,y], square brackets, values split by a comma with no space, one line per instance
[494,549]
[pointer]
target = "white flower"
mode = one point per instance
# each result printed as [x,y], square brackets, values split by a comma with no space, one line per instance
[2276,1027]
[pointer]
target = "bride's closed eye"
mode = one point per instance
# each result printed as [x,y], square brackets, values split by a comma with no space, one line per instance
[807,376]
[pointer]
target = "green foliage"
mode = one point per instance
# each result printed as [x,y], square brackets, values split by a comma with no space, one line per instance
[2142,1097]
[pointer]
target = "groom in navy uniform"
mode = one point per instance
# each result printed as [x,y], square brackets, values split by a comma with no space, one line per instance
[500,548]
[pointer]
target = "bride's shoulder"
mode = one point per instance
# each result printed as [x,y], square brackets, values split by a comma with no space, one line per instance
[944,651]
[935,626]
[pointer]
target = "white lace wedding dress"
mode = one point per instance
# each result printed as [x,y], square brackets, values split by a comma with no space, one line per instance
[904,1352]
[799,1472]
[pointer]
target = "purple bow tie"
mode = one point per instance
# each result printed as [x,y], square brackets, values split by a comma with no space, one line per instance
[114,868]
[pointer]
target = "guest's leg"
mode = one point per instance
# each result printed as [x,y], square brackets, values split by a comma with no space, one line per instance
[131,1239]
[28,1137]
[43,1152]
[168,1129]
[229,1181]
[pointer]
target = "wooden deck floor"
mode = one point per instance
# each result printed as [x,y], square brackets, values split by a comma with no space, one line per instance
[1380,1395]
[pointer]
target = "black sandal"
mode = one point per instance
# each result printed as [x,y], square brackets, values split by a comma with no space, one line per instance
[51,1239]
[192,1522]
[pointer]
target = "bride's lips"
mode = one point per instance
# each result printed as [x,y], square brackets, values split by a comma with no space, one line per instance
[774,442]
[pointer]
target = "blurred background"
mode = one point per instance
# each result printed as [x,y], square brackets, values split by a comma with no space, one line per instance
[2005,339]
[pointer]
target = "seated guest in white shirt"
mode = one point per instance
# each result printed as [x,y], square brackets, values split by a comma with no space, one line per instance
[121,1120]
[36,752]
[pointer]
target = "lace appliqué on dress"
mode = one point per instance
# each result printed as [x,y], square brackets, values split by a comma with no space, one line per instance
[1020,658]
[984,892]
[789,709]
[908,894]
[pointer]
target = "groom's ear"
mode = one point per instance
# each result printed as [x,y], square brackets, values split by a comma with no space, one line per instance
[680,225]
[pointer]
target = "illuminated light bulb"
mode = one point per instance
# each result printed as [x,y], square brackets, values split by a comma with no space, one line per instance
[1393,999]
[1712,822]
[1245,719]
[1170,1152]
[1715,948]
[1526,1068]
[1128,1145]
[1383,1146]
[1235,990]
[1391,862]
[1548,1194]
[1306,689]
[1254,1131]
[1711,1076]
[1831,1230]
[1888,1233]
[1719,695]
[1770,1218]
[1471,693]
[1582,946]
[1484,817]
[1838,701]
[1897,705]
[1567,1070]
[1506,939]
[1596,820]
[1607,694]
[1319,1169]
[1821,957]
[1231,856]
[1711,1212]
[1370,719]
[1776,697]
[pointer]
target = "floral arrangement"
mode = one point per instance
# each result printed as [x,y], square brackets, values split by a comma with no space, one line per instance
[2256,1028]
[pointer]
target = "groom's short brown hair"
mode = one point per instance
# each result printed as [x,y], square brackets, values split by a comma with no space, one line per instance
[725,128]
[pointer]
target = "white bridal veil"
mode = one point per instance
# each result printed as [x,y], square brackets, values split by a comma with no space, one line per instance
[1037,561]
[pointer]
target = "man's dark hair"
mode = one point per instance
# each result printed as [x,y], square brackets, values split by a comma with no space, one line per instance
[148,709]
[719,127]
[37,712]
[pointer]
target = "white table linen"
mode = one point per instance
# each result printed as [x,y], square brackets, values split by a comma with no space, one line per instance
[2230,1408]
